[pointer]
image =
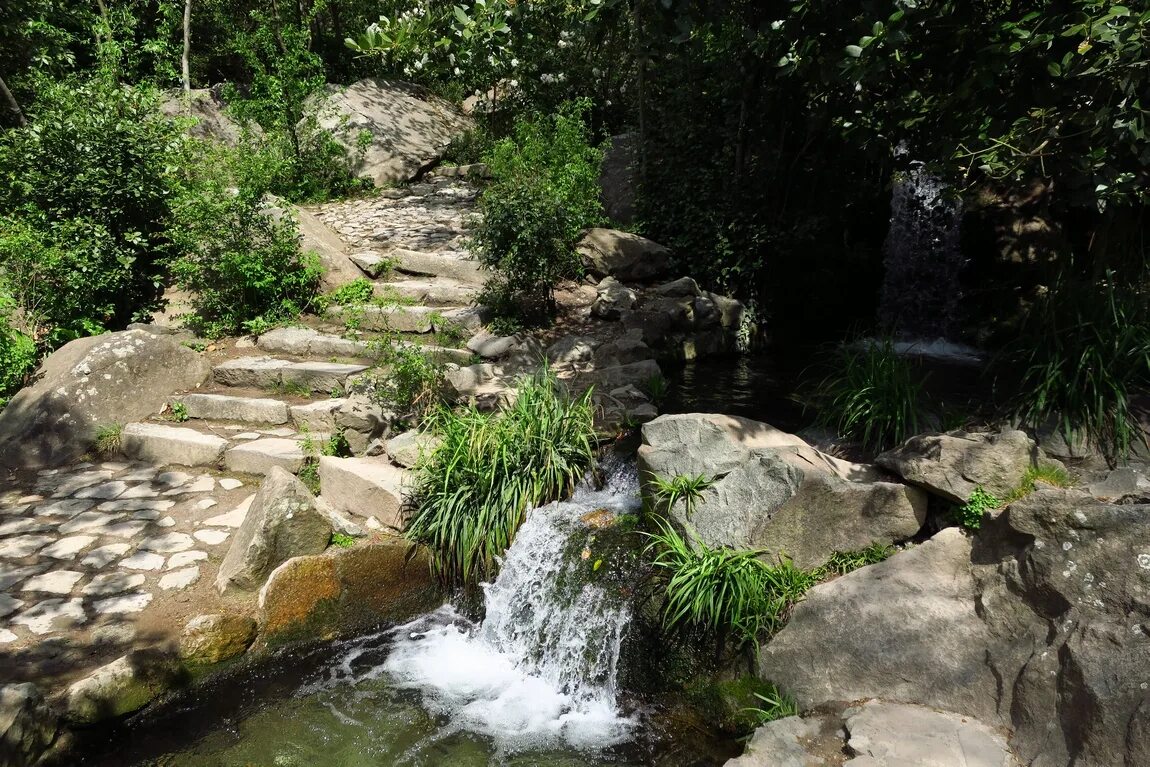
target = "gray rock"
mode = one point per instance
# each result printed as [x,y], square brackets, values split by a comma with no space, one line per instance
[303,342]
[636,374]
[254,372]
[371,263]
[361,421]
[407,448]
[952,465]
[432,291]
[125,685]
[409,127]
[885,734]
[209,639]
[220,407]
[363,487]
[773,491]
[782,743]
[283,522]
[489,346]
[612,299]
[1126,483]
[315,236]
[684,286]
[572,350]
[171,445]
[624,256]
[28,725]
[317,417]
[461,270]
[114,378]
[322,377]
[260,456]
[211,121]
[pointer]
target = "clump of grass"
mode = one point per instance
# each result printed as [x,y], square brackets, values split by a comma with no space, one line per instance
[667,492]
[109,439]
[1049,474]
[354,293]
[656,388]
[724,591]
[290,389]
[871,395]
[407,380]
[775,705]
[843,562]
[470,494]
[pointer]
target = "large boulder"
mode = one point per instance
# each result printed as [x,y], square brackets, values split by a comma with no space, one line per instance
[115,378]
[622,255]
[346,590]
[773,491]
[1040,624]
[210,120]
[952,465]
[125,685]
[28,725]
[282,522]
[409,127]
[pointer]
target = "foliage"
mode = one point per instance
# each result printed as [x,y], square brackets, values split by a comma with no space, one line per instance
[17,353]
[775,705]
[342,540]
[471,493]
[178,412]
[656,388]
[843,562]
[408,381]
[724,590]
[544,192]
[871,394]
[688,489]
[1082,354]
[86,189]
[309,474]
[358,291]
[1049,474]
[970,514]
[241,264]
[108,439]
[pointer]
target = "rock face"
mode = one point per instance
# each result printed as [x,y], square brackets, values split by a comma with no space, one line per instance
[1042,625]
[773,491]
[27,724]
[209,639]
[346,590]
[212,122]
[683,321]
[952,465]
[98,381]
[409,127]
[624,256]
[125,685]
[283,522]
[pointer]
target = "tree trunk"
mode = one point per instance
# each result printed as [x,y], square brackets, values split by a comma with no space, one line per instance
[13,105]
[185,66]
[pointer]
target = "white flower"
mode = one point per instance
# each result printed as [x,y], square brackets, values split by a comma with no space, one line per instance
[564,44]
[514,63]
[458,71]
[513,83]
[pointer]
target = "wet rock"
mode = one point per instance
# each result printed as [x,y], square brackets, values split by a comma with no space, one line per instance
[209,639]
[773,491]
[283,522]
[624,256]
[952,465]
[115,378]
[28,724]
[125,685]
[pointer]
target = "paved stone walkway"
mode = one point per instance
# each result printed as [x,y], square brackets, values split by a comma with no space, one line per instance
[86,551]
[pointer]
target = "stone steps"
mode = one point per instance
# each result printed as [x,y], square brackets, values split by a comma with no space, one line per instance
[264,372]
[310,342]
[418,320]
[429,291]
[453,265]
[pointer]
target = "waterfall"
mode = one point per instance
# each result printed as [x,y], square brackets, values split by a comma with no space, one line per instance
[540,670]
[922,257]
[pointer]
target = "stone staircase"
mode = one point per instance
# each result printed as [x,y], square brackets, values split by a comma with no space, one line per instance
[274,402]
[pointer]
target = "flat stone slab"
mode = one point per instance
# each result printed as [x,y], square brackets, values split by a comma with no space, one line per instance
[68,548]
[53,582]
[892,734]
[105,555]
[211,536]
[52,615]
[439,291]
[179,579]
[260,456]
[123,604]
[317,417]
[307,342]
[438,265]
[256,372]
[228,483]
[221,407]
[185,558]
[143,560]
[400,319]
[88,520]
[320,377]
[168,543]
[165,445]
[24,545]
[107,584]
[371,263]
[363,487]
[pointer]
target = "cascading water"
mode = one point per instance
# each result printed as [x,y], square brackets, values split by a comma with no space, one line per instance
[921,291]
[540,671]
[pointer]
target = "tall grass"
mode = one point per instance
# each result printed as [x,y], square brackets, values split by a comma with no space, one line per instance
[1082,354]
[871,394]
[471,493]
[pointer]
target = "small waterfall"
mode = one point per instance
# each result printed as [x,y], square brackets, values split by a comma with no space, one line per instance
[921,292]
[540,671]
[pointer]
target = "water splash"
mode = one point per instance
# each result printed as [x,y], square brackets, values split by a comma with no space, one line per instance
[921,292]
[541,670]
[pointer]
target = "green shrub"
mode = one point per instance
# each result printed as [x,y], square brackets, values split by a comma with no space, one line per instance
[871,395]
[86,191]
[725,591]
[1082,354]
[242,266]
[471,493]
[17,353]
[342,540]
[970,514]
[544,192]
[408,381]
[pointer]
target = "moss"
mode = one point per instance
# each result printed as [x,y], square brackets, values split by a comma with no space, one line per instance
[729,704]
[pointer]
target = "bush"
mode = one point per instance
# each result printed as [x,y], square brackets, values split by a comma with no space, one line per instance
[981,502]
[86,189]
[871,395]
[545,191]
[472,492]
[408,383]
[17,353]
[241,263]
[1083,353]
